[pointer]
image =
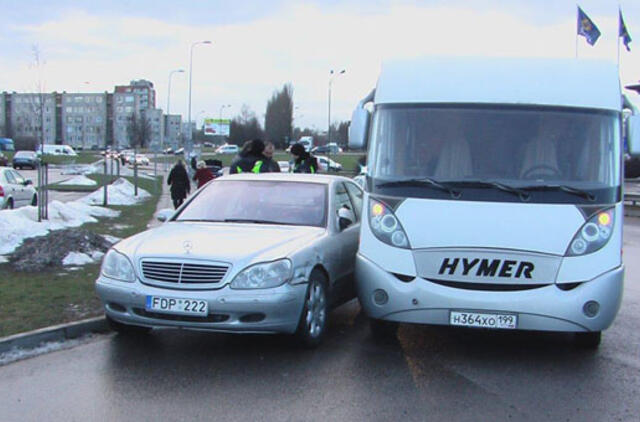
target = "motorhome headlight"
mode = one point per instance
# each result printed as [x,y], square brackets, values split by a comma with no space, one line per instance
[264,275]
[385,225]
[118,267]
[593,235]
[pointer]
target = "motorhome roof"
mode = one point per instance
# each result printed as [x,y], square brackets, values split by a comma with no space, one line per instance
[554,82]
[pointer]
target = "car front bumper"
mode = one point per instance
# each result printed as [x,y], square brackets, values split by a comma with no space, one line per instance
[275,310]
[545,309]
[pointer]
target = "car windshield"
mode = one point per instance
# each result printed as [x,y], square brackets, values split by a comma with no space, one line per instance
[24,154]
[263,202]
[532,148]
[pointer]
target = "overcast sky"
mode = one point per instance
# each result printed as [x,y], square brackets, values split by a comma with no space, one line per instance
[260,45]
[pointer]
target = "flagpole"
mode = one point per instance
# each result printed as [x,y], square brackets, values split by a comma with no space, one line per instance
[577,7]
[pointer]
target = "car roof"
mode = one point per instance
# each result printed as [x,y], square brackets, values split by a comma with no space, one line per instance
[287,177]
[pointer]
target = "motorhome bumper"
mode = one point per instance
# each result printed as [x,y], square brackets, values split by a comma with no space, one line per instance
[546,309]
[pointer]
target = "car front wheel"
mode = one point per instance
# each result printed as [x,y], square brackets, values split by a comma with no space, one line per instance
[313,320]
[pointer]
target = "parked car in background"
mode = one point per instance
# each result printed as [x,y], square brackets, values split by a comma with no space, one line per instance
[168,150]
[326,164]
[179,151]
[284,166]
[15,190]
[51,149]
[208,144]
[25,159]
[227,149]
[283,255]
[4,161]
[141,160]
[326,149]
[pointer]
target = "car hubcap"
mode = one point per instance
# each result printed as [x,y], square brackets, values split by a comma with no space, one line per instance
[316,310]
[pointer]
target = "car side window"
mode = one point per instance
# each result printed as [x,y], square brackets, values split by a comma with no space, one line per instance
[356,195]
[9,178]
[342,199]
[17,178]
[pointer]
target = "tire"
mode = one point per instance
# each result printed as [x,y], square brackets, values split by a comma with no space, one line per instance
[589,340]
[9,204]
[125,329]
[382,330]
[313,320]
[34,200]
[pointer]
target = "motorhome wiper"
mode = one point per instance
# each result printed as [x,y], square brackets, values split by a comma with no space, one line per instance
[423,181]
[564,188]
[522,194]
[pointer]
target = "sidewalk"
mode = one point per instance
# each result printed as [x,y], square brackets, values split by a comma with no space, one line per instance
[164,201]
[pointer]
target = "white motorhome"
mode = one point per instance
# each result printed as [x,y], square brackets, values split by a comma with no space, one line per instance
[493,195]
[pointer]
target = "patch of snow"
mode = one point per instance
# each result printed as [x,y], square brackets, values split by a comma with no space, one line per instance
[3,259]
[120,192]
[17,354]
[76,258]
[96,255]
[111,239]
[80,181]
[21,223]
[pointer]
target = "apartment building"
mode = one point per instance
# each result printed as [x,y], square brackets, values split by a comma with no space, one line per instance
[29,115]
[173,129]
[143,89]
[156,123]
[84,120]
[3,115]
[125,105]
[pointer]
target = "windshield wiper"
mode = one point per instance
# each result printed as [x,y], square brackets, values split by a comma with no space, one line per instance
[522,194]
[423,181]
[198,220]
[564,188]
[250,220]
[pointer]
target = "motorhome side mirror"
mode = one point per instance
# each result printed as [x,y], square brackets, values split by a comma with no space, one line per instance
[633,135]
[345,218]
[359,127]
[164,214]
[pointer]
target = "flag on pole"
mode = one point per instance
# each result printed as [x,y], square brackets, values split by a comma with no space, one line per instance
[587,28]
[624,33]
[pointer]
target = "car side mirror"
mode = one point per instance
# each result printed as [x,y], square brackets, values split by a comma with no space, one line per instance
[345,218]
[633,135]
[164,214]
[28,182]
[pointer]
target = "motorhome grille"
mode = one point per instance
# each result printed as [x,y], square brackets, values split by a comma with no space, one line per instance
[183,272]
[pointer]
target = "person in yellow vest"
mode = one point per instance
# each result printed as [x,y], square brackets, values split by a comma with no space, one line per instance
[250,159]
[302,162]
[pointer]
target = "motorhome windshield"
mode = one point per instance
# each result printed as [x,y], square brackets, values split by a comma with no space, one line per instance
[505,153]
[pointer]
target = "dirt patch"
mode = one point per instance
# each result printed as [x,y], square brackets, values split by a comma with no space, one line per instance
[46,252]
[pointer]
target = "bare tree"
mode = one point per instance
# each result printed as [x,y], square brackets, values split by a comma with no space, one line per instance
[244,127]
[139,132]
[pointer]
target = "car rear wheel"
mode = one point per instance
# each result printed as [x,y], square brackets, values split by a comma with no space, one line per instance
[9,204]
[313,320]
[34,200]
[126,329]
[588,340]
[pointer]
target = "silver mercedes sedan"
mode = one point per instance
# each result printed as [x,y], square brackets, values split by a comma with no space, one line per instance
[247,253]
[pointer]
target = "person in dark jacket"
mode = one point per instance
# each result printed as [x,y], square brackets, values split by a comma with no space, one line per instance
[203,174]
[270,164]
[250,159]
[179,182]
[303,162]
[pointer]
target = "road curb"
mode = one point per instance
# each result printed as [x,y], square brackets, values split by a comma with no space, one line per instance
[61,332]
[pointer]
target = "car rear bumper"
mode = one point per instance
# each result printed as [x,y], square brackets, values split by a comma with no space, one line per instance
[275,310]
[546,308]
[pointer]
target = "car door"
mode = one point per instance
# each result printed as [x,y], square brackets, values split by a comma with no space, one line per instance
[10,189]
[348,238]
[21,192]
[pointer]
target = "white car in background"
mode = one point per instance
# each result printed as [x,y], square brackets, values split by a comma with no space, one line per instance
[15,190]
[284,166]
[228,149]
[326,164]
[142,160]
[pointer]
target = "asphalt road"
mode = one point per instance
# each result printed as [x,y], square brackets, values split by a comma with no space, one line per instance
[428,373]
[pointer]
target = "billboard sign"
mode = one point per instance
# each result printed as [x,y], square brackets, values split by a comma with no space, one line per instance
[219,127]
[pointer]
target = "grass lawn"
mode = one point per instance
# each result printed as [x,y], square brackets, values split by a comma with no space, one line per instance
[35,300]
[83,157]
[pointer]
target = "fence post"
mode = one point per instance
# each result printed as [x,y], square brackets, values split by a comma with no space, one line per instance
[106,183]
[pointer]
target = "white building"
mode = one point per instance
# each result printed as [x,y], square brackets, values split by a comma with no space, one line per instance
[33,115]
[173,126]
[156,123]
[84,120]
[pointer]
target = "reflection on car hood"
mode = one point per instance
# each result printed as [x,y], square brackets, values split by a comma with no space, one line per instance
[234,243]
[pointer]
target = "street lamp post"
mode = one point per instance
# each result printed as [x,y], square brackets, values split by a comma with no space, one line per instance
[166,127]
[222,107]
[331,76]
[190,78]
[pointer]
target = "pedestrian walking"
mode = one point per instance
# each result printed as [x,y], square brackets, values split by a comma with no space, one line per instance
[203,174]
[303,162]
[179,182]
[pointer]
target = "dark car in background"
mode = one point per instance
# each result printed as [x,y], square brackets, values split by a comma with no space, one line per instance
[24,159]
[4,161]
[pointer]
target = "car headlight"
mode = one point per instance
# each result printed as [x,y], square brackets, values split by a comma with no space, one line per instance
[593,234]
[263,276]
[117,266]
[385,225]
